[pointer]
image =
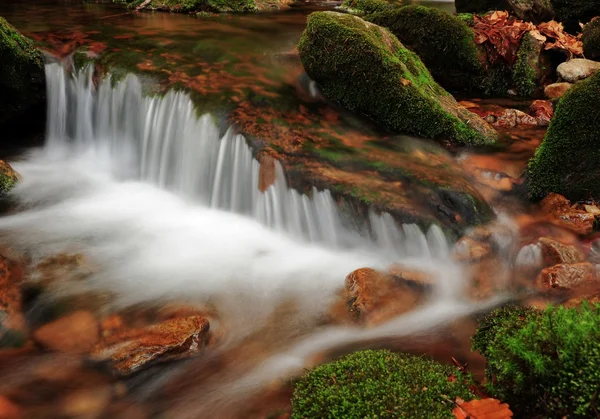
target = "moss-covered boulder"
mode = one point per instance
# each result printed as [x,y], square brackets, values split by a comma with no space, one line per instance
[22,78]
[568,159]
[591,39]
[8,177]
[379,384]
[365,7]
[210,6]
[544,364]
[532,68]
[364,68]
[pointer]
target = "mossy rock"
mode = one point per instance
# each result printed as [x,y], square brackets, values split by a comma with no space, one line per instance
[572,12]
[443,41]
[22,77]
[591,39]
[532,67]
[379,384]
[364,68]
[365,7]
[8,177]
[195,6]
[544,364]
[568,159]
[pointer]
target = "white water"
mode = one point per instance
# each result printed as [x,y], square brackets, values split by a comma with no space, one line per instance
[165,208]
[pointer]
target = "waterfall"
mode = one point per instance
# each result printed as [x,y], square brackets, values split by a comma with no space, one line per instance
[159,139]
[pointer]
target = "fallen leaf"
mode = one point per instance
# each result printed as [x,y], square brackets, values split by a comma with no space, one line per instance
[482,409]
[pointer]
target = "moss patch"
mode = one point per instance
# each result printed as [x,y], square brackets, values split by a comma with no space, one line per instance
[364,68]
[568,159]
[543,363]
[379,384]
[195,6]
[526,71]
[591,39]
[365,7]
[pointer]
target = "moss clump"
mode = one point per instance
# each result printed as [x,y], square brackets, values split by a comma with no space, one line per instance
[443,41]
[379,384]
[364,68]
[525,71]
[195,6]
[22,78]
[365,7]
[567,161]
[591,39]
[543,363]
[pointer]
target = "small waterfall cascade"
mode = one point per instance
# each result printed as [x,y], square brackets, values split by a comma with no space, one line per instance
[159,139]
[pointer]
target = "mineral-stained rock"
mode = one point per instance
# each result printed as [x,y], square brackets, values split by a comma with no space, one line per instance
[566,276]
[577,69]
[12,322]
[562,213]
[557,90]
[542,111]
[555,252]
[131,350]
[74,333]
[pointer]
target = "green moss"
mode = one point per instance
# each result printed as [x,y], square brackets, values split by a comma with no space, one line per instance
[524,71]
[379,384]
[568,159]
[22,78]
[195,6]
[364,68]
[365,7]
[571,12]
[543,363]
[591,39]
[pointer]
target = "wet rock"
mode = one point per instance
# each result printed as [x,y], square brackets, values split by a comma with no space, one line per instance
[372,297]
[554,252]
[560,209]
[8,177]
[12,322]
[532,68]
[130,350]
[567,160]
[557,90]
[86,403]
[577,69]
[542,111]
[22,78]
[566,276]
[74,333]
[511,118]
[339,50]
[591,39]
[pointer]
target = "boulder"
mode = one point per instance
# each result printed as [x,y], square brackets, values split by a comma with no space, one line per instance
[557,90]
[567,160]
[574,12]
[566,276]
[75,333]
[8,177]
[562,213]
[532,68]
[577,69]
[22,78]
[129,351]
[554,252]
[591,39]
[364,68]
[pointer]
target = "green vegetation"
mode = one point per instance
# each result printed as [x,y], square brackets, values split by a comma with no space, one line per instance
[379,384]
[525,78]
[567,161]
[193,6]
[22,78]
[543,363]
[364,68]
[591,40]
[8,177]
[365,7]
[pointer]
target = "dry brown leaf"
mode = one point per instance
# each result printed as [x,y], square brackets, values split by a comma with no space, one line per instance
[482,409]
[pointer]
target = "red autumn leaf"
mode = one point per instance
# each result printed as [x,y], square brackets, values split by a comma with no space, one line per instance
[482,409]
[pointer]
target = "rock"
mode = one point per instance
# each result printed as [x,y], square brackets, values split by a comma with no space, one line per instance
[75,333]
[566,276]
[591,39]
[131,350]
[9,410]
[567,160]
[555,252]
[22,78]
[579,221]
[557,90]
[542,111]
[365,7]
[86,403]
[364,68]
[372,297]
[577,69]
[511,118]
[530,10]
[532,68]
[443,41]
[573,12]
[12,323]
[8,177]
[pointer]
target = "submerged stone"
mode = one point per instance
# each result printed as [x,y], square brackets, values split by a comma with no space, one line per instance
[22,78]
[364,68]
[557,90]
[567,161]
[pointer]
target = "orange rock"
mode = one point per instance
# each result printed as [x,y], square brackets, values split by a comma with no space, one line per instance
[555,252]
[75,333]
[562,213]
[566,276]
[9,410]
[266,173]
[557,90]
[86,403]
[11,278]
[131,350]
[542,111]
